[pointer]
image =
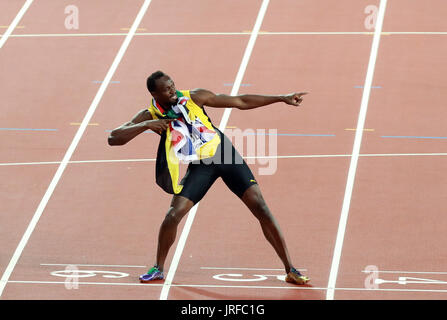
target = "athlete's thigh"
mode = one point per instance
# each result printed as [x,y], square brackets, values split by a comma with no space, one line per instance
[197,181]
[181,204]
[237,177]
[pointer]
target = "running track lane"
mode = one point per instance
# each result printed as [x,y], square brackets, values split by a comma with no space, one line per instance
[301,194]
[397,216]
[55,180]
[143,253]
[99,177]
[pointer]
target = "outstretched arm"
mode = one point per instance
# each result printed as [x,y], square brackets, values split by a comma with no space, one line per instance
[141,122]
[246,101]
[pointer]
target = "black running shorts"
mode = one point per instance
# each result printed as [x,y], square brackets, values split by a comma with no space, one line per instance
[227,164]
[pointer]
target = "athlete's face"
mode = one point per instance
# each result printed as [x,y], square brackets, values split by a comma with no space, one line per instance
[166,92]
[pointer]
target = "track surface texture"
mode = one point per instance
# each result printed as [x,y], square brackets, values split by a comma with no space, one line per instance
[360,168]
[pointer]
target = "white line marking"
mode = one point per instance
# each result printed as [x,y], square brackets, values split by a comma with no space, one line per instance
[91,265]
[400,154]
[71,148]
[349,155]
[75,161]
[249,157]
[219,34]
[86,283]
[354,33]
[247,269]
[227,286]
[355,153]
[404,281]
[136,34]
[223,123]
[412,272]
[178,253]
[244,62]
[418,32]
[255,269]
[14,24]
[5,164]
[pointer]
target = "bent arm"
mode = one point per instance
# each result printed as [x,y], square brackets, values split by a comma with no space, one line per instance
[244,102]
[131,129]
[141,122]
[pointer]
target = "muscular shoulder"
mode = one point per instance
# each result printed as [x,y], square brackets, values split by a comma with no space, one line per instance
[201,96]
[141,116]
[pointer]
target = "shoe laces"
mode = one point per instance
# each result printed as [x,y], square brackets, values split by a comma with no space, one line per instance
[153,269]
[295,271]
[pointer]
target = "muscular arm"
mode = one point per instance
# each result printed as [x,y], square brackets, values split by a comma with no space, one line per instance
[141,122]
[244,102]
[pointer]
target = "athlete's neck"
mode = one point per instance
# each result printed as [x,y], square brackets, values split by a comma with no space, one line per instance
[166,106]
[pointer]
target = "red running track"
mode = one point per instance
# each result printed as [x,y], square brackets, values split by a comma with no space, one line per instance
[104,212]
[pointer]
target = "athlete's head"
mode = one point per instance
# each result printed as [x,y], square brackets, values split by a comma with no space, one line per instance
[162,88]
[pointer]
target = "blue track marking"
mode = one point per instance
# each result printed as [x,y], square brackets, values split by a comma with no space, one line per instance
[26,129]
[291,134]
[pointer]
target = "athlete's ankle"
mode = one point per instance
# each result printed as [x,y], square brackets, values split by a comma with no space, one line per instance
[159,267]
[290,268]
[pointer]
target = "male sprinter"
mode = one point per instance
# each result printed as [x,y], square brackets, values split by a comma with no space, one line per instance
[179,116]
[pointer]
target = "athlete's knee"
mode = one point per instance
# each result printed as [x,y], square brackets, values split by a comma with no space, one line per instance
[261,207]
[173,217]
[264,215]
[255,201]
[177,211]
[254,196]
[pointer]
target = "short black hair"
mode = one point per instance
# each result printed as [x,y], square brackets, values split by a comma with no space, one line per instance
[150,83]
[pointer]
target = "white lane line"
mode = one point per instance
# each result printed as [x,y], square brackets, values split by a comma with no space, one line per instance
[349,155]
[355,153]
[247,269]
[5,164]
[92,265]
[136,284]
[244,62]
[220,33]
[404,281]
[228,268]
[403,272]
[136,34]
[248,157]
[89,283]
[71,148]
[14,23]
[223,123]
[77,161]
[178,253]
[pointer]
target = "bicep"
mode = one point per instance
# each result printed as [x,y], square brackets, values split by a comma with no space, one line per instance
[142,115]
[226,101]
[210,99]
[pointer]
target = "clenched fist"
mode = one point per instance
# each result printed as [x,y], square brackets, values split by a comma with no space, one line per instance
[294,99]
